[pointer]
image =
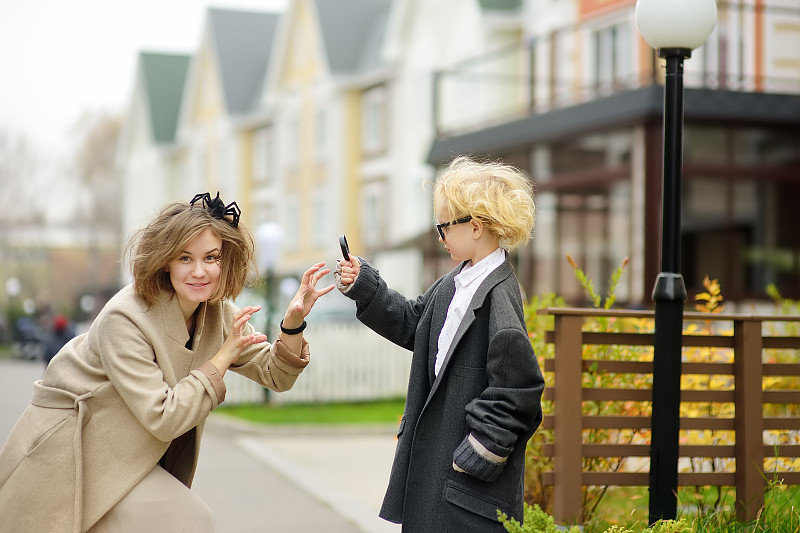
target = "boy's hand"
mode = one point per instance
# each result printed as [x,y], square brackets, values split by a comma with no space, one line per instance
[347,272]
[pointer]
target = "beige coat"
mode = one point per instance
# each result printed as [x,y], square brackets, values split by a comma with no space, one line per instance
[110,404]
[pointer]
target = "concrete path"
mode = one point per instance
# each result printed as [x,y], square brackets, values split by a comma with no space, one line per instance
[337,475]
[16,390]
[268,479]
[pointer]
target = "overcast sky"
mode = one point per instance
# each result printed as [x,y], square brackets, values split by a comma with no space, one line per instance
[60,58]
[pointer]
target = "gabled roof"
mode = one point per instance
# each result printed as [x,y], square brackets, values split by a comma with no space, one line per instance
[243,41]
[164,76]
[353,33]
[501,5]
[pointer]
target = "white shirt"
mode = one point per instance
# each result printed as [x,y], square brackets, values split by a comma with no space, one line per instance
[467,283]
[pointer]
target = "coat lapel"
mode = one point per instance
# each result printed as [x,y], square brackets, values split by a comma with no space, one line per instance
[497,276]
[172,318]
[180,358]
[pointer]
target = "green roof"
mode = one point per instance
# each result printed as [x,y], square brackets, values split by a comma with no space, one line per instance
[164,78]
[502,5]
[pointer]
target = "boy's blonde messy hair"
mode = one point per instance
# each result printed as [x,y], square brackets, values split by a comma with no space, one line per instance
[497,194]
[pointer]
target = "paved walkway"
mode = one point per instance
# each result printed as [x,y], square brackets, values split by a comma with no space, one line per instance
[264,479]
[313,479]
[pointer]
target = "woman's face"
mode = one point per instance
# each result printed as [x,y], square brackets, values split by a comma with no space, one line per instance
[195,273]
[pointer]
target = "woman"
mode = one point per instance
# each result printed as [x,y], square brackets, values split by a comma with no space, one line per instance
[111,438]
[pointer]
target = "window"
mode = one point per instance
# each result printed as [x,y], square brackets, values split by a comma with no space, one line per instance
[612,57]
[586,208]
[320,219]
[262,155]
[562,51]
[373,214]
[321,134]
[292,142]
[740,216]
[227,163]
[373,133]
[199,173]
[292,219]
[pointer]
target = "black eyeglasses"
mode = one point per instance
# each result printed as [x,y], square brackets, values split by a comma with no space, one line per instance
[440,227]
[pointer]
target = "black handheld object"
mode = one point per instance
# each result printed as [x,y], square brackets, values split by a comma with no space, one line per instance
[345,247]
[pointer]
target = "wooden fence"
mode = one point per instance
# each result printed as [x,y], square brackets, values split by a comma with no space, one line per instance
[748,395]
[349,362]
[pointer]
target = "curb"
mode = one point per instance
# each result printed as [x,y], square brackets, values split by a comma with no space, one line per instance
[218,421]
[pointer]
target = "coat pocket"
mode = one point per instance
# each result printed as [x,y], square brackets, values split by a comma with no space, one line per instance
[474,502]
[55,420]
[38,494]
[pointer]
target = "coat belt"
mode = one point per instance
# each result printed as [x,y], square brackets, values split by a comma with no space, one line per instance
[53,398]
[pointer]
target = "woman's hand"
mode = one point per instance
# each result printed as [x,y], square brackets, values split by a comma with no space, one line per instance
[233,346]
[306,296]
[348,270]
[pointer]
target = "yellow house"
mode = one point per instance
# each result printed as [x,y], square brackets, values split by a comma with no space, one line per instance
[307,138]
[222,92]
[318,121]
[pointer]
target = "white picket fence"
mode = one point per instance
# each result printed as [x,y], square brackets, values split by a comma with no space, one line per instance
[349,362]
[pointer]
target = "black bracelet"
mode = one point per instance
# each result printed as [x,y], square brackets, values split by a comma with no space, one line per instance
[294,331]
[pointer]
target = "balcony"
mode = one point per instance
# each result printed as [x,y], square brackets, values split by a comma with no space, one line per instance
[753,51]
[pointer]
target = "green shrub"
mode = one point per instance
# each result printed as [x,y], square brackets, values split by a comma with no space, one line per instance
[537,521]
[534,520]
[536,493]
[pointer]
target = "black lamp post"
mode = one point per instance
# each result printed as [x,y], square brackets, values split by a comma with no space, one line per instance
[674,28]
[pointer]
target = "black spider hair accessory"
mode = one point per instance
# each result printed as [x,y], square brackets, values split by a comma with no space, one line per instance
[218,208]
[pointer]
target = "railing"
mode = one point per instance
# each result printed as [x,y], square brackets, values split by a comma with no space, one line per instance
[564,66]
[349,362]
[747,393]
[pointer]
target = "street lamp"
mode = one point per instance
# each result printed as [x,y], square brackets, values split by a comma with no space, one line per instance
[268,239]
[674,28]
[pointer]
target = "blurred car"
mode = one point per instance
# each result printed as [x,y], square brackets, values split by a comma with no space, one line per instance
[28,339]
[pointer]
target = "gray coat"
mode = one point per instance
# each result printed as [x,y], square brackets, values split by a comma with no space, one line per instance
[489,388]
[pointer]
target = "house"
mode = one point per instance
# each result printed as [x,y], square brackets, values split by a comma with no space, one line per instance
[581,111]
[348,121]
[318,121]
[148,154]
[332,117]
[222,91]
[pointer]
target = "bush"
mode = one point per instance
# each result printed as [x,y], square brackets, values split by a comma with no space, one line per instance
[536,493]
[537,521]
[714,506]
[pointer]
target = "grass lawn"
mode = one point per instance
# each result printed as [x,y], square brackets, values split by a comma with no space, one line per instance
[622,506]
[382,412]
[628,507]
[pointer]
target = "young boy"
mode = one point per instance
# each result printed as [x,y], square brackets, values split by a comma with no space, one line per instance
[475,387]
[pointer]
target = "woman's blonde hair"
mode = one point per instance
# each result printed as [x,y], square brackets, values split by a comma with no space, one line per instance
[497,194]
[167,236]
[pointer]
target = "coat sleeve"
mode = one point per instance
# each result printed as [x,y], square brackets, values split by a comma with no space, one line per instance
[385,311]
[508,409]
[271,365]
[129,360]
